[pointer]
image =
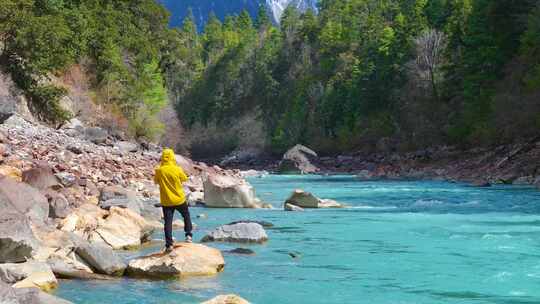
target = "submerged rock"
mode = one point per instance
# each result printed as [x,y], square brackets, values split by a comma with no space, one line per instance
[297,160]
[265,224]
[240,233]
[242,251]
[226,299]
[221,191]
[303,199]
[186,259]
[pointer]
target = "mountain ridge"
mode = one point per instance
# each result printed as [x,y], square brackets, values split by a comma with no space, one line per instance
[202,9]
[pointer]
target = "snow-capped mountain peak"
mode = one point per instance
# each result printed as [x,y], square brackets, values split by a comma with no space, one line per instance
[276,7]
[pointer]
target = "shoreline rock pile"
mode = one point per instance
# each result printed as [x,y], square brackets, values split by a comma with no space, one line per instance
[72,196]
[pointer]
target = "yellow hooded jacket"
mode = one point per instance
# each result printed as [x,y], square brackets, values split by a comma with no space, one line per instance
[169,176]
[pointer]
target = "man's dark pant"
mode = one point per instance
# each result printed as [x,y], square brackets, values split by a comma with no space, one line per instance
[168,215]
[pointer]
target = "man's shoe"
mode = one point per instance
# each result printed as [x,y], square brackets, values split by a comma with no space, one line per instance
[168,249]
[189,239]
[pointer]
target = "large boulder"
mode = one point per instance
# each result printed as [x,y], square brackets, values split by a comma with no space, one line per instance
[23,199]
[298,160]
[58,205]
[226,299]
[40,177]
[119,228]
[29,274]
[68,268]
[11,172]
[11,99]
[96,135]
[186,164]
[221,191]
[115,196]
[186,259]
[124,229]
[17,242]
[240,233]
[10,295]
[102,258]
[305,199]
[127,147]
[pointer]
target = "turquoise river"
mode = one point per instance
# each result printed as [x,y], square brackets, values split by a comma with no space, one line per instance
[396,243]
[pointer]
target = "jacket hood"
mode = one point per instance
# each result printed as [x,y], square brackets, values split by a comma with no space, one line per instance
[168,157]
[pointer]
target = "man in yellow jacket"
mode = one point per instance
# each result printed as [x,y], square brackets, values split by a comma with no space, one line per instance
[169,176]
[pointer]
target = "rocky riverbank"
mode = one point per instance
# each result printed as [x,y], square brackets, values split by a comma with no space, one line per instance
[507,164]
[74,196]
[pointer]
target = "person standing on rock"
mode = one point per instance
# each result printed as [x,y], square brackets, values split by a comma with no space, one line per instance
[169,176]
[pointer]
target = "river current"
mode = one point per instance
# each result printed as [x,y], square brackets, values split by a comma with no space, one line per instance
[396,243]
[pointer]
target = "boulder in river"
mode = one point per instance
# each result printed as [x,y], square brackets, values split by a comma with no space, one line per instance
[298,160]
[102,258]
[221,191]
[305,199]
[238,233]
[28,274]
[226,299]
[186,259]
[291,207]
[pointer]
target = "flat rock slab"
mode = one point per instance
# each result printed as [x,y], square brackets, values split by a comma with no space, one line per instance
[239,233]
[185,260]
[29,274]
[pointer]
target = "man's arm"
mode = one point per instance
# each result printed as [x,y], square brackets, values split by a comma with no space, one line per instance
[183,176]
[156,176]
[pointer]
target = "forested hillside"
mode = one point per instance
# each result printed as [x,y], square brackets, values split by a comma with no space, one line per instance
[414,73]
[359,75]
[121,45]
